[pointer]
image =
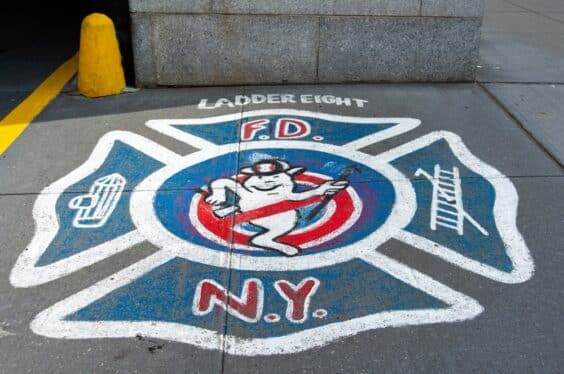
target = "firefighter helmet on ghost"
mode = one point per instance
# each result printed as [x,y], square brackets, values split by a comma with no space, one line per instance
[270,167]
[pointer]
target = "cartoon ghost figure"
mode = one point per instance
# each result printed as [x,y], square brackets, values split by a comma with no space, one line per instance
[268,182]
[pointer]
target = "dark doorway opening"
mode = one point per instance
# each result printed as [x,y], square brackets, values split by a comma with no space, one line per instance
[35,38]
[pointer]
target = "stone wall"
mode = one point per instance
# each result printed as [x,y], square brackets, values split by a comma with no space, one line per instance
[228,42]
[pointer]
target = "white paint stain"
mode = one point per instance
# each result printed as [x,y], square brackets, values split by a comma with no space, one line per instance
[4,333]
[276,98]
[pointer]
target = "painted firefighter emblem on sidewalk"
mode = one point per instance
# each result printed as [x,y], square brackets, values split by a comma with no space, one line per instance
[269,237]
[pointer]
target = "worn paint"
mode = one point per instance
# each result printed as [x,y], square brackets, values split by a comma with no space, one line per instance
[286,202]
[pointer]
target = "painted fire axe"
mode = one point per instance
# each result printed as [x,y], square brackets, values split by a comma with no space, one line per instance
[219,211]
[328,197]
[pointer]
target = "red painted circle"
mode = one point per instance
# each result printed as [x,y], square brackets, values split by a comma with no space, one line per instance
[222,228]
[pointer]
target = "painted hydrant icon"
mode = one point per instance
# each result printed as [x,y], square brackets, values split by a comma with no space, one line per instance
[95,208]
[269,186]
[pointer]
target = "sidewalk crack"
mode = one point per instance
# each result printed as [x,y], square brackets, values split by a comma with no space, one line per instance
[519,123]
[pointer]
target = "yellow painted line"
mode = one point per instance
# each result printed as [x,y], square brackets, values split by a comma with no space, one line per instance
[19,119]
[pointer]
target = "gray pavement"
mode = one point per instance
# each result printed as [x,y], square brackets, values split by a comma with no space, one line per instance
[520,328]
[504,120]
[521,65]
[522,42]
[538,107]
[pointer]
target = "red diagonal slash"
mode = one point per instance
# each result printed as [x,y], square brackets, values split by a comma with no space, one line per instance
[272,209]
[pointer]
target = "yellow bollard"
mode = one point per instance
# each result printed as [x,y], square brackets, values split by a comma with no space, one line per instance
[99,63]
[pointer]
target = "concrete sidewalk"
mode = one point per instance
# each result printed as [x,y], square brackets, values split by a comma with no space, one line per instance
[520,327]
[521,66]
[114,259]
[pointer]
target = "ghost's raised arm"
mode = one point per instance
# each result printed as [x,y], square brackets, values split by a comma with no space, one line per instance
[217,194]
[328,188]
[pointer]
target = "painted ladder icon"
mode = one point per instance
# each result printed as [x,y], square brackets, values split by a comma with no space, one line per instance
[447,208]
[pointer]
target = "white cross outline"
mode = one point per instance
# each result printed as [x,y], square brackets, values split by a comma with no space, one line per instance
[51,321]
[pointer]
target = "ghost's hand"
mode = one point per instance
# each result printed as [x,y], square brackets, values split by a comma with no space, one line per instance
[217,198]
[332,187]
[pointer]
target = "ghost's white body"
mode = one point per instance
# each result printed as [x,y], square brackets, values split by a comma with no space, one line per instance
[261,190]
